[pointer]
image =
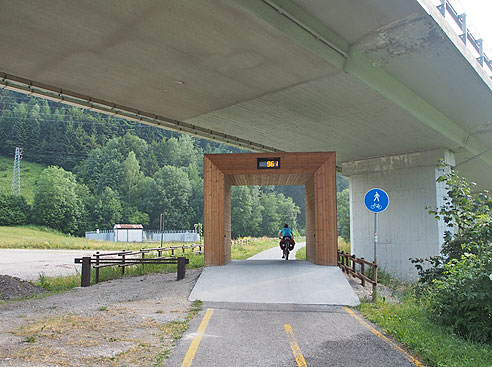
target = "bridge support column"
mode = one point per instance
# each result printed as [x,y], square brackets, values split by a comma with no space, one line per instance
[406,230]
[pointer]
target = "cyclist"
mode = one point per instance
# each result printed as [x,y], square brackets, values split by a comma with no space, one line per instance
[284,233]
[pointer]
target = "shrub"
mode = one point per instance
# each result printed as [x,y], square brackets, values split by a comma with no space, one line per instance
[14,210]
[462,298]
[460,278]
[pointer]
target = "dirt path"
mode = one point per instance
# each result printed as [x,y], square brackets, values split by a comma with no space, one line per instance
[123,322]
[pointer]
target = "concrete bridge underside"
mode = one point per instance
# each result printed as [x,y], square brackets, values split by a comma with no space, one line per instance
[385,83]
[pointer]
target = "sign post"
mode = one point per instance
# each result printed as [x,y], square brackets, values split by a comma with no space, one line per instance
[376,201]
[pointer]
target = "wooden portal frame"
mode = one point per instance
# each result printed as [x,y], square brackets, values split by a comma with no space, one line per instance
[316,171]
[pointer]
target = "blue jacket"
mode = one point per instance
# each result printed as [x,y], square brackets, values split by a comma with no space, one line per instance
[286,232]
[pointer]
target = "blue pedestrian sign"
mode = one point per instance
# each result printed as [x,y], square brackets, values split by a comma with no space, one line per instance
[376,200]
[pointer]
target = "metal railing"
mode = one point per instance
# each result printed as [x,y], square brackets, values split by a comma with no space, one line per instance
[466,36]
[125,258]
[357,268]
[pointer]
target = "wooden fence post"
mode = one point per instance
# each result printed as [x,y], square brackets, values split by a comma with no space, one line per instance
[97,267]
[375,279]
[123,263]
[85,279]
[362,271]
[181,267]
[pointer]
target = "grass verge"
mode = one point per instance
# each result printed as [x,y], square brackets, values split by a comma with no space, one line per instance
[342,246]
[255,246]
[301,253]
[65,283]
[34,237]
[410,324]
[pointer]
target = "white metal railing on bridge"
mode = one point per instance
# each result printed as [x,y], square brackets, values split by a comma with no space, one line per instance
[460,20]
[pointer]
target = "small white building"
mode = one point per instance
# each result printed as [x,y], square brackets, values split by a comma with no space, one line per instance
[128,232]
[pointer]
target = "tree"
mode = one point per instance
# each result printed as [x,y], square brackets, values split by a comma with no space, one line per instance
[241,211]
[182,151]
[56,201]
[298,195]
[287,210]
[14,210]
[343,214]
[110,176]
[196,198]
[173,191]
[132,143]
[107,210]
[131,175]
[132,215]
[255,227]
[145,196]
[271,221]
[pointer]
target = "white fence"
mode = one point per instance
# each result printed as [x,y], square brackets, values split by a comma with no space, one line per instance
[148,236]
[100,235]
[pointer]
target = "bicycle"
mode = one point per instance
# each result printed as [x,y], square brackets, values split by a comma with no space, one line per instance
[287,247]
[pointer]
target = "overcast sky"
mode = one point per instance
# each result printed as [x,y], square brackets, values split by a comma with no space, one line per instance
[479,18]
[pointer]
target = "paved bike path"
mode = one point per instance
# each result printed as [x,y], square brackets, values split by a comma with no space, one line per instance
[275,253]
[284,334]
[266,335]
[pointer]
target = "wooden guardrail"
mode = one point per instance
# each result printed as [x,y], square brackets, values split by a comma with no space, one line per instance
[358,267]
[129,258]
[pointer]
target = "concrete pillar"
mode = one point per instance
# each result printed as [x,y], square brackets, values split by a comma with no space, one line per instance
[406,230]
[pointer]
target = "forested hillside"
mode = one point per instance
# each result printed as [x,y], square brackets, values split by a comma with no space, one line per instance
[106,170]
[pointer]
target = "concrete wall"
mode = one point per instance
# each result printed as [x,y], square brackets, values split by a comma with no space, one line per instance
[406,230]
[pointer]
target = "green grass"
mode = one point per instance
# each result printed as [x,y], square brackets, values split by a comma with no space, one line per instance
[29,175]
[301,254]
[33,237]
[342,246]
[255,246]
[410,324]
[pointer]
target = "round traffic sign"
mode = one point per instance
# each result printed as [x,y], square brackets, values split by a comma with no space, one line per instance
[376,200]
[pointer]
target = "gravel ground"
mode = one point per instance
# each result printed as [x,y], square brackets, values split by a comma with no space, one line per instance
[122,322]
[365,293]
[28,264]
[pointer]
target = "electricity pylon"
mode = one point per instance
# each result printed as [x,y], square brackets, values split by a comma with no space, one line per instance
[15,188]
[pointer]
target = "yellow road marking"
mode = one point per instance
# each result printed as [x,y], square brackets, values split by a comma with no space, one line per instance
[386,339]
[301,362]
[197,339]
